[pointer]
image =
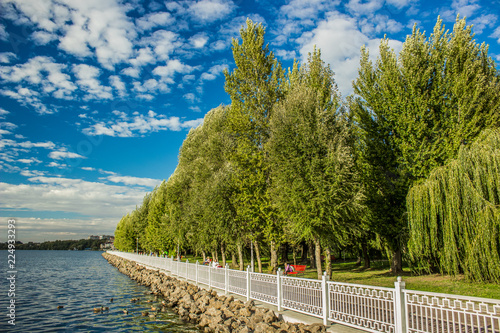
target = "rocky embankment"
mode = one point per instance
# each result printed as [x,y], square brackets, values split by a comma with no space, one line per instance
[205,308]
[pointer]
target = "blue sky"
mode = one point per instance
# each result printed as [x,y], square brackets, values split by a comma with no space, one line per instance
[96,96]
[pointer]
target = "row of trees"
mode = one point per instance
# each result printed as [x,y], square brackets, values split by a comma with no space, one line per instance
[289,161]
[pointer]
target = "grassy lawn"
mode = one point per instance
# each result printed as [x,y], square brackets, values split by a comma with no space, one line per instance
[379,275]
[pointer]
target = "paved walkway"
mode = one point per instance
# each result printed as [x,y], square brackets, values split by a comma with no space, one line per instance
[287,315]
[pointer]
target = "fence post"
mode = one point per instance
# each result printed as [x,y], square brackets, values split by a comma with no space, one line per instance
[248,283]
[226,278]
[187,269]
[196,271]
[326,304]
[399,305]
[209,277]
[278,279]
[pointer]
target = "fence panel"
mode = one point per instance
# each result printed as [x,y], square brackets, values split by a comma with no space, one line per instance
[364,307]
[203,274]
[302,295]
[192,271]
[441,313]
[182,269]
[237,282]
[263,287]
[218,278]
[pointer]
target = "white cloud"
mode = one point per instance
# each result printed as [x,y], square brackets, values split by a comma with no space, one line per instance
[484,21]
[28,160]
[153,20]
[92,28]
[190,97]
[40,71]
[340,41]
[286,54]
[162,42]
[143,56]
[57,165]
[357,7]
[4,35]
[128,180]
[140,124]
[131,71]
[70,195]
[7,57]
[64,154]
[88,82]
[379,24]
[43,37]
[32,173]
[29,144]
[172,67]
[399,3]
[213,72]
[496,34]
[207,11]
[88,168]
[306,9]
[3,113]
[466,8]
[199,40]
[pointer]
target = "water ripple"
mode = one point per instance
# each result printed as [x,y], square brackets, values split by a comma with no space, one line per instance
[79,281]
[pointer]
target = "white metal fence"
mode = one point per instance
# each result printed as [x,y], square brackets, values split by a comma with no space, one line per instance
[373,309]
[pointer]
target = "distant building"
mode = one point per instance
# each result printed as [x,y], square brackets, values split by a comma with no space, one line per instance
[101,237]
[108,246]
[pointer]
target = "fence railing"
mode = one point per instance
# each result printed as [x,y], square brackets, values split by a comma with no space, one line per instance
[372,309]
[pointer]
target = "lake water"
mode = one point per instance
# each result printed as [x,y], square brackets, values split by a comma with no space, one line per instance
[79,281]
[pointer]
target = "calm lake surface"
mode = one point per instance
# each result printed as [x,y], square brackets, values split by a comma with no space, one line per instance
[79,281]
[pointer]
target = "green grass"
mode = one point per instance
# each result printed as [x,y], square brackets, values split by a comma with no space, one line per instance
[379,275]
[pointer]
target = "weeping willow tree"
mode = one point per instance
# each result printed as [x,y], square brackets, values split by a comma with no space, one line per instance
[454,216]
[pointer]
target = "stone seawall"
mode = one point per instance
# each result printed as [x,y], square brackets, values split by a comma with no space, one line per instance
[211,312]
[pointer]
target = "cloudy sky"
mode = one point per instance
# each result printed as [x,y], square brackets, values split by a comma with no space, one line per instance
[96,96]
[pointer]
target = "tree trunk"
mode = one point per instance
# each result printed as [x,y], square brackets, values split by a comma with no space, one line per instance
[311,256]
[223,254]
[294,253]
[358,261]
[233,260]
[274,257]
[304,250]
[204,256]
[284,255]
[257,254]
[317,251]
[214,256]
[396,262]
[366,257]
[240,256]
[328,261]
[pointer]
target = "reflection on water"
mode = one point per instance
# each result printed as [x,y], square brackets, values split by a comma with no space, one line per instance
[79,281]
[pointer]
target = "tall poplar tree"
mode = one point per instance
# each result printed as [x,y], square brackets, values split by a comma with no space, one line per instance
[254,87]
[313,166]
[415,110]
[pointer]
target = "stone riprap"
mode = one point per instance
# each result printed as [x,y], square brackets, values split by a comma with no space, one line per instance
[210,311]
